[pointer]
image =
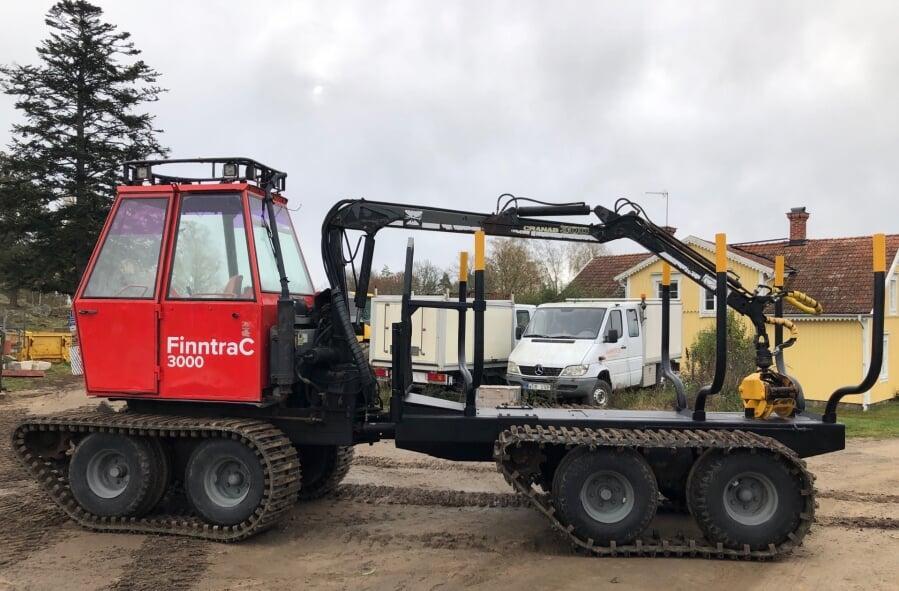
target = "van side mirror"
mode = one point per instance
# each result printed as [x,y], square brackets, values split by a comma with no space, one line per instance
[519,332]
[612,336]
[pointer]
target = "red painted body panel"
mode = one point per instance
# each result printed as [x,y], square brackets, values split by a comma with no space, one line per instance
[175,348]
[225,338]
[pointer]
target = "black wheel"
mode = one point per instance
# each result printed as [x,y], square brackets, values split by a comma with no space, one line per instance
[744,498]
[322,469]
[224,481]
[600,394]
[607,495]
[111,475]
[160,472]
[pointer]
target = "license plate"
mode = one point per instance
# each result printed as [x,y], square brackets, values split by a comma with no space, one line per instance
[539,386]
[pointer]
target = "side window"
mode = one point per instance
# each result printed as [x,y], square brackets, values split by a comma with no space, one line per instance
[708,300]
[522,319]
[294,265]
[211,256]
[614,324]
[633,325]
[129,258]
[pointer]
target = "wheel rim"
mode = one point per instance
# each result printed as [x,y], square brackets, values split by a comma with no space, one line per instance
[607,497]
[108,474]
[600,396]
[750,498]
[227,482]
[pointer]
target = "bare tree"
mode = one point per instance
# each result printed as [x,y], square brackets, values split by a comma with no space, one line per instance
[550,256]
[510,268]
[426,278]
[581,253]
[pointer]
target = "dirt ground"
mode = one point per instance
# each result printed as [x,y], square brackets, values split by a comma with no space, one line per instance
[405,521]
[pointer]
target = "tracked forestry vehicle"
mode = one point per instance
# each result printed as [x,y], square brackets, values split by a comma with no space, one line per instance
[245,390]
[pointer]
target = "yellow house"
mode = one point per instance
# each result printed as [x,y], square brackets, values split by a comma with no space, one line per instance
[832,349]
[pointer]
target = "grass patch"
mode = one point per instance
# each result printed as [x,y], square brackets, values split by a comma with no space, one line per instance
[879,421]
[59,375]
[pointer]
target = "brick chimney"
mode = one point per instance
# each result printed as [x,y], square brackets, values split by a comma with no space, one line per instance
[670,229]
[798,218]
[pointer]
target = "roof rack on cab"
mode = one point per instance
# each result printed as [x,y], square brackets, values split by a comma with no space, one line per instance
[233,169]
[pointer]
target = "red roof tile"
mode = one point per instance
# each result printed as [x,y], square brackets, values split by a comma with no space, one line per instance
[834,271]
[597,278]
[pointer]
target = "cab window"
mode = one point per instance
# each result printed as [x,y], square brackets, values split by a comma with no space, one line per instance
[294,265]
[614,324]
[127,263]
[633,324]
[212,261]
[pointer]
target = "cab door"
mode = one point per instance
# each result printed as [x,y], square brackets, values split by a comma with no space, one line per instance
[211,341]
[116,307]
[635,346]
[615,338]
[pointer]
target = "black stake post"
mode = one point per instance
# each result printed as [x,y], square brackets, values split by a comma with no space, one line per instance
[720,329]
[401,360]
[479,306]
[467,384]
[681,402]
[876,361]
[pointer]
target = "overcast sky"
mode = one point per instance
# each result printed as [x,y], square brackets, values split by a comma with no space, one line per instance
[739,110]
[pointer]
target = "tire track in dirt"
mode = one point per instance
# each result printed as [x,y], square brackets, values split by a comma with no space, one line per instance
[861,497]
[392,464]
[164,562]
[399,495]
[857,522]
[29,520]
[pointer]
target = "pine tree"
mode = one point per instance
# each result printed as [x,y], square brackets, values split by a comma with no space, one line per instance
[19,220]
[80,107]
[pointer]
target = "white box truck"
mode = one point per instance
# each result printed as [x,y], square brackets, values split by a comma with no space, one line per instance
[583,350]
[435,339]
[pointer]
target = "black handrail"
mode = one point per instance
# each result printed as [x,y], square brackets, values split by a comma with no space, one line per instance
[681,400]
[720,333]
[876,361]
[467,383]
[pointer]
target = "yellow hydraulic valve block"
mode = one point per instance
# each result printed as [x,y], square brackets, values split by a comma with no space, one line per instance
[768,392]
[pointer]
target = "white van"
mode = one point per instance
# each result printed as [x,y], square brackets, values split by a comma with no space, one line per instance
[583,350]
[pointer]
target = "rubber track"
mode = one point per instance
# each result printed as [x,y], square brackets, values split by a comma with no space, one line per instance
[274,450]
[702,440]
[342,465]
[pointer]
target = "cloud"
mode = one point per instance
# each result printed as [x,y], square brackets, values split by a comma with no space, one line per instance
[740,111]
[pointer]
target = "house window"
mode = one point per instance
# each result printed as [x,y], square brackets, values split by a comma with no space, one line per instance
[657,287]
[894,297]
[885,366]
[707,305]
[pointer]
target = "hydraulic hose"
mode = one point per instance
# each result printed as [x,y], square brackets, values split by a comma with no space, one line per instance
[804,302]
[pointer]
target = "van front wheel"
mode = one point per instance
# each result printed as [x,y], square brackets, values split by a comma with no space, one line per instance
[600,394]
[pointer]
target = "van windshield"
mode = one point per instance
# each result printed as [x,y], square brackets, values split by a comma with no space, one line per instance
[567,323]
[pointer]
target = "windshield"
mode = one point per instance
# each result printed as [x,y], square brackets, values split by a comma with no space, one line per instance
[570,323]
[294,265]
